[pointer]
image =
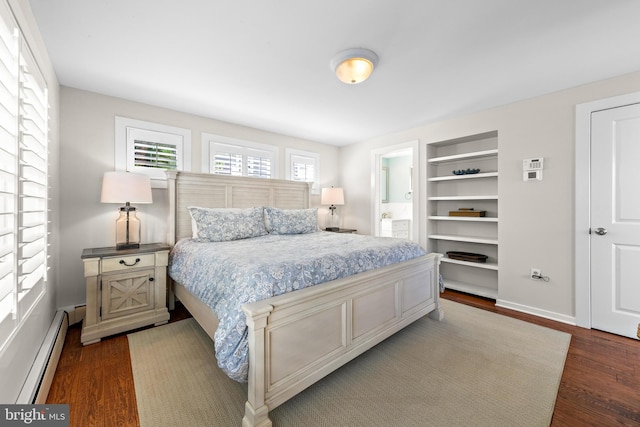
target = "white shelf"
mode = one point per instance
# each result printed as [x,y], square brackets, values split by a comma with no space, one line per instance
[485,265]
[465,176]
[467,239]
[463,218]
[464,156]
[445,198]
[471,289]
[445,190]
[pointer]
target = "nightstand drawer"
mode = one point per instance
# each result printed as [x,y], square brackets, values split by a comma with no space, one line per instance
[127,262]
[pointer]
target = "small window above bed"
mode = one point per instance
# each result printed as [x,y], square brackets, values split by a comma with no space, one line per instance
[303,166]
[230,156]
[151,149]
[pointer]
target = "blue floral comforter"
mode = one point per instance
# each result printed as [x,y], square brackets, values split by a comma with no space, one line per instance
[226,275]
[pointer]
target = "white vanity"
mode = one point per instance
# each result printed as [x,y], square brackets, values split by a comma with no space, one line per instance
[390,227]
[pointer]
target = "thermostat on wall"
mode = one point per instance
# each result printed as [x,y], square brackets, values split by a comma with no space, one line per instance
[532,169]
[536,164]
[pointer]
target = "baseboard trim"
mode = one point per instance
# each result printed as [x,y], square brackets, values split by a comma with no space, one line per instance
[570,320]
[75,313]
[38,383]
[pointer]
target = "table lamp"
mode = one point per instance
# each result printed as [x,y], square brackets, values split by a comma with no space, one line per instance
[127,188]
[332,197]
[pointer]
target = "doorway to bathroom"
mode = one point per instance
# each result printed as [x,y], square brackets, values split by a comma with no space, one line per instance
[395,191]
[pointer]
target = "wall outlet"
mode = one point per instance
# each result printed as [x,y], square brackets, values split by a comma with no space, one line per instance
[536,274]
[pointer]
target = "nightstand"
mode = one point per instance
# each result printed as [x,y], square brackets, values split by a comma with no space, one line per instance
[126,289]
[344,230]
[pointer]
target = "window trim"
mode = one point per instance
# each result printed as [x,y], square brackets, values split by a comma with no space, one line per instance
[290,153]
[124,151]
[210,138]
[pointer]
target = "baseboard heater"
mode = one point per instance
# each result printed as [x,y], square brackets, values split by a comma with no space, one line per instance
[36,387]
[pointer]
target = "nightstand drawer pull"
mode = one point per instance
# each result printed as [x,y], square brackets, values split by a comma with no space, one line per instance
[123,262]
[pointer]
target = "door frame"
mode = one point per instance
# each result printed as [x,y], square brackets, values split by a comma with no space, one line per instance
[376,164]
[582,201]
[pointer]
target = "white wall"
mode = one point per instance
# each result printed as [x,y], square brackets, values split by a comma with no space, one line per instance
[536,218]
[87,151]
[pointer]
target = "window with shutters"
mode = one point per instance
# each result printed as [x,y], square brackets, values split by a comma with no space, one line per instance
[303,166]
[23,179]
[230,156]
[151,148]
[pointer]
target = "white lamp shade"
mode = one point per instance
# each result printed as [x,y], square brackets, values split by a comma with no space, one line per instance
[122,187]
[332,196]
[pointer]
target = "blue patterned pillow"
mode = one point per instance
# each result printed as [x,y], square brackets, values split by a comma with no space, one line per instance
[291,221]
[222,225]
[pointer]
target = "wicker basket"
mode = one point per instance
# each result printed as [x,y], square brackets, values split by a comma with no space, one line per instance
[467,256]
[467,213]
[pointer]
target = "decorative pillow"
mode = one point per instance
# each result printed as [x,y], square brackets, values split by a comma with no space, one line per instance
[291,221]
[222,225]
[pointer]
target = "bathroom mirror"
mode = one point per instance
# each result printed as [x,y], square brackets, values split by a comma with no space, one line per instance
[384,185]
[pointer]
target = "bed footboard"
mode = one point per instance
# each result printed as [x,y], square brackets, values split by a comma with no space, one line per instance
[298,338]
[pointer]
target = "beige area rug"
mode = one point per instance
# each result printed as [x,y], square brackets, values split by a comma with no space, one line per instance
[473,368]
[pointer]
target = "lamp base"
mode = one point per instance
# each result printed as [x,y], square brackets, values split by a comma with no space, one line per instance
[122,246]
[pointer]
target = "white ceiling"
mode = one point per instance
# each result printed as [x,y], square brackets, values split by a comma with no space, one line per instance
[265,63]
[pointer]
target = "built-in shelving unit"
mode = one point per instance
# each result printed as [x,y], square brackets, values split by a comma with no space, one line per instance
[447,192]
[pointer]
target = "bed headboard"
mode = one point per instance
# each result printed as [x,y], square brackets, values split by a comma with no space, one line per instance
[219,191]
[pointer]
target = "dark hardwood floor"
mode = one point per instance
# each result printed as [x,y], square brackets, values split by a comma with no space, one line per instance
[600,384]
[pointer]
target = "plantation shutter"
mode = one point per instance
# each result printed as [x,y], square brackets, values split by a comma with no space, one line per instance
[33,213]
[9,69]
[304,168]
[23,178]
[229,159]
[152,153]
[258,163]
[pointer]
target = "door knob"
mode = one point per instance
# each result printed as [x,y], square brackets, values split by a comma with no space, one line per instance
[601,231]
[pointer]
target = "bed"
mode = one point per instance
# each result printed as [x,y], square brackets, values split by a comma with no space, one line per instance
[294,339]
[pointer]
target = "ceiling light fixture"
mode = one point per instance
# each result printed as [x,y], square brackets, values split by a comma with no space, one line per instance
[353,66]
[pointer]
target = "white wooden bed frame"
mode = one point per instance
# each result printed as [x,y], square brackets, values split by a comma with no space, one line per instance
[297,338]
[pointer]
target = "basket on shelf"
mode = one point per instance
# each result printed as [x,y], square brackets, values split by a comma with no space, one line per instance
[467,256]
[467,212]
[466,171]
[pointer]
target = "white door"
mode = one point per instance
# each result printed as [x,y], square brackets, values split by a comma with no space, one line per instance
[615,220]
